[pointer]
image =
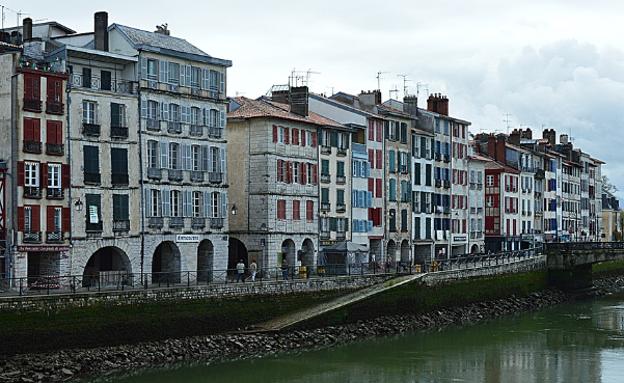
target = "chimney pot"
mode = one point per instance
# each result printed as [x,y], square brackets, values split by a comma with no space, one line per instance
[27,29]
[101,30]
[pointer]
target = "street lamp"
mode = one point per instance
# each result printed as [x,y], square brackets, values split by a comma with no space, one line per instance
[234,209]
[78,204]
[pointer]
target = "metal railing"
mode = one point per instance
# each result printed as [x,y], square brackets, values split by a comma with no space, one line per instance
[121,280]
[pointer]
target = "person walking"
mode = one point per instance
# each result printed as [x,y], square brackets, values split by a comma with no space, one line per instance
[285,269]
[253,269]
[240,271]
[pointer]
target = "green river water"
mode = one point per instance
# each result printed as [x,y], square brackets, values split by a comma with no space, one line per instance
[580,342]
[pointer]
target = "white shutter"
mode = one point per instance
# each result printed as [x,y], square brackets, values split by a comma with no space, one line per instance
[222,154]
[205,79]
[207,204]
[166,202]
[205,158]
[164,71]
[222,112]
[185,203]
[188,75]
[164,111]
[223,199]
[222,82]
[143,68]
[164,155]
[143,108]
[147,198]
[187,157]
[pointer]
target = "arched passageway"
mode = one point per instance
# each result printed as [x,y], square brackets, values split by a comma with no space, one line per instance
[236,251]
[166,263]
[108,266]
[205,259]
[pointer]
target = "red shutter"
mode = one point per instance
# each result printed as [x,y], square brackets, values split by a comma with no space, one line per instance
[288,172]
[295,136]
[28,86]
[287,135]
[28,133]
[314,138]
[379,193]
[280,175]
[379,160]
[310,210]
[20,218]
[315,174]
[66,220]
[304,175]
[371,185]
[36,216]
[36,130]
[53,132]
[296,210]
[379,132]
[303,137]
[20,173]
[44,175]
[274,133]
[371,158]
[65,176]
[50,218]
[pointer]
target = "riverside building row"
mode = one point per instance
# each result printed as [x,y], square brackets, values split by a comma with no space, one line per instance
[127,157]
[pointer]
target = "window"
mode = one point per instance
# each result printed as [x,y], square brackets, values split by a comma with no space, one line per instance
[195,76]
[214,80]
[197,203]
[91,158]
[489,180]
[32,87]
[176,202]
[105,80]
[216,200]
[155,204]
[173,70]
[56,224]
[118,115]
[152,154]
[309,211]
[174,112]
[340,197]
[311,174]
[54,132]
[89,112]
[31,174]
[392,220]
[281,209]
[54,176]
[196,157]
[340,169]
[296,210]
[152,69]
[195,116]
[93,212]
[55,90]
[120,207]
[215,159]
[404,220]
[392,186]
[174,152]
[324,195]
[119,166]
[86,77]
[417,173]
[152,110]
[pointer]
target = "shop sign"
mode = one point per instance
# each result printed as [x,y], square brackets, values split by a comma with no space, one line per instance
[187,238]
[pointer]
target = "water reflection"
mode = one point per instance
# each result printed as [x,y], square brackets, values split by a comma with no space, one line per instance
[583,342]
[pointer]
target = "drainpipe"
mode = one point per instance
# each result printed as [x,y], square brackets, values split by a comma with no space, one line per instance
[141,178]
[12,237]
[69,162]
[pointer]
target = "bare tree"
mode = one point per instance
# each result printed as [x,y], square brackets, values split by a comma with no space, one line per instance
[607,187]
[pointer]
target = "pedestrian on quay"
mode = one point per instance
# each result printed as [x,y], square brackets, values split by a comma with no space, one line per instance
[253,269]
[285,269]
[240,271]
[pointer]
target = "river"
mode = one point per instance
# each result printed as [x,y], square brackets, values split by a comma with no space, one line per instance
[580,342]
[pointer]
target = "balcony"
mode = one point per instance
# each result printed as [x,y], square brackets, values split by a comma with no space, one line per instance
[154,173]
[32,147]
[55,149]
[215,177]
[358,148]
[341,236]
[176,222]
[447,184]
[197,176]
[438,183]
[341,208]
[54,107]
[92,178]
[54,193]
[325,149]
[32,105]
[91,130]
[76,80]
[175,175]
[325,206]
[198,223]
[341,152]
[54,236]
[214,132]
[32,237]
[152,124]
[325,234]
[32,192]
[119,132]
[155,222]
[341,180]
[174,127]
[446,158]
[119,179]
[121,225]
[438,157]
[325,178]
[216,223]
[196,131]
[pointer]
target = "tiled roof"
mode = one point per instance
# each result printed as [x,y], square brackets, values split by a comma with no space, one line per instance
[139,37]
[264,108]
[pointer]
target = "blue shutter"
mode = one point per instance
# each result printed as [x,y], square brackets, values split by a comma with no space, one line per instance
[369,199]
[146,202]
[354,198]
[222,155]
[143,68]
[143,108]
[369,226]
[164,155]
[222,115]
[166,202]
[223,199]
[207,204]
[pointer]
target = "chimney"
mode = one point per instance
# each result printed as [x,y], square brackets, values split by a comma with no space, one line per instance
[550,135]
[410,105]
[299,100]
[528,134]
[163,29]
[438,103]
[563,139]
[500,149]
[514,137]
[281,96]
[370,98]
[27,29]
[101,31]
[491,146]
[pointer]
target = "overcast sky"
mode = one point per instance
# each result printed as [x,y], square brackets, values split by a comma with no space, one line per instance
[556,64]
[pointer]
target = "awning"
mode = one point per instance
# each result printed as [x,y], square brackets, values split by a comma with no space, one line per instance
[346,247]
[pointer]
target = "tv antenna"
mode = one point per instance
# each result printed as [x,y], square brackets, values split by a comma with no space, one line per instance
[507,120]
[421,85]
[307,75]
[405,81]
[379,79]
[395,91]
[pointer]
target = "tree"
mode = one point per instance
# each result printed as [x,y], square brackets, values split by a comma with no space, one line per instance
[607,187]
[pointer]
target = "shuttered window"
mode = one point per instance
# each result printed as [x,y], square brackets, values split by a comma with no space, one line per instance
[120,207]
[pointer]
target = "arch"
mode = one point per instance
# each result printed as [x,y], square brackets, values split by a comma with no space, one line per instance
[288,252]
[405,252]
[166,263]
[474,249]
[205,261]
[391,251]
[307,256]
[236,251]
[108,266]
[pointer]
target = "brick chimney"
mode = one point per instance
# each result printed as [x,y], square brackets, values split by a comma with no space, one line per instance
[27,29]
[514,137]
[528,134]
[299,100]
[101,31]
[370,98]
[550,135]
[438,103]
[410,105]
[500,149]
